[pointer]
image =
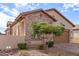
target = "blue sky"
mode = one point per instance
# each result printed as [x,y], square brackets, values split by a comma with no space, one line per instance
[9,11]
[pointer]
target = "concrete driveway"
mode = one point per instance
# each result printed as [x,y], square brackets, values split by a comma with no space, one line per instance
[70,47]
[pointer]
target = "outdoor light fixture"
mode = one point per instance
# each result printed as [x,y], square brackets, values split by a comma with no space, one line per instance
[8,47]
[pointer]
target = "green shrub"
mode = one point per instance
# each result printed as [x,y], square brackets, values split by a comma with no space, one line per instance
[41,47]
[22,45]
[50,44]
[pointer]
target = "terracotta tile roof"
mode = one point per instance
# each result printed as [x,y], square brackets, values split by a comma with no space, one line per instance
[61,15]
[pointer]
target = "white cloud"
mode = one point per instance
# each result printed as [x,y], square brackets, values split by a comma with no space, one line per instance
[14,12]
[17,5]
[30,6]
[14,1]
[63,10]
[35,4]
[66,6]
[76,9]
[74,6]
[3,6]
[4,18]
[39,1]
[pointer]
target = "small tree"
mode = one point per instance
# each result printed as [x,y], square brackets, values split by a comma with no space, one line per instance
[40,28]
[45,28]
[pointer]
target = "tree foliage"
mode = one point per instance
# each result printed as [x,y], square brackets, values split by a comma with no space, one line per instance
[40,28]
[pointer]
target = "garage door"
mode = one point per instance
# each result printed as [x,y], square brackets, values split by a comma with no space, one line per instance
[63,38]
[75,37]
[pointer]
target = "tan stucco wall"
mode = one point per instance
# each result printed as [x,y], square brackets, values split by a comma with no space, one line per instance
[18,29]
[10,41]
[59,19]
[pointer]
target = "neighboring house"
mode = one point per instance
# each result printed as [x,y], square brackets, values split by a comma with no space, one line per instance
[75,34]
[2,33]
[8,30]
[22,24]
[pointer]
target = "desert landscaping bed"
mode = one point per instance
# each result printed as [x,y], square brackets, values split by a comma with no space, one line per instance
[46,52]
[8,52]
[35,52]
[58,52]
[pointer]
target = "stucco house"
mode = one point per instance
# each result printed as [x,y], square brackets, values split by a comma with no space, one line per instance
[22,24]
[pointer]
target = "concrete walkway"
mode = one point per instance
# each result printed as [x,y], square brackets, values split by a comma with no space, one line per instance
[71,47]
[36,53]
